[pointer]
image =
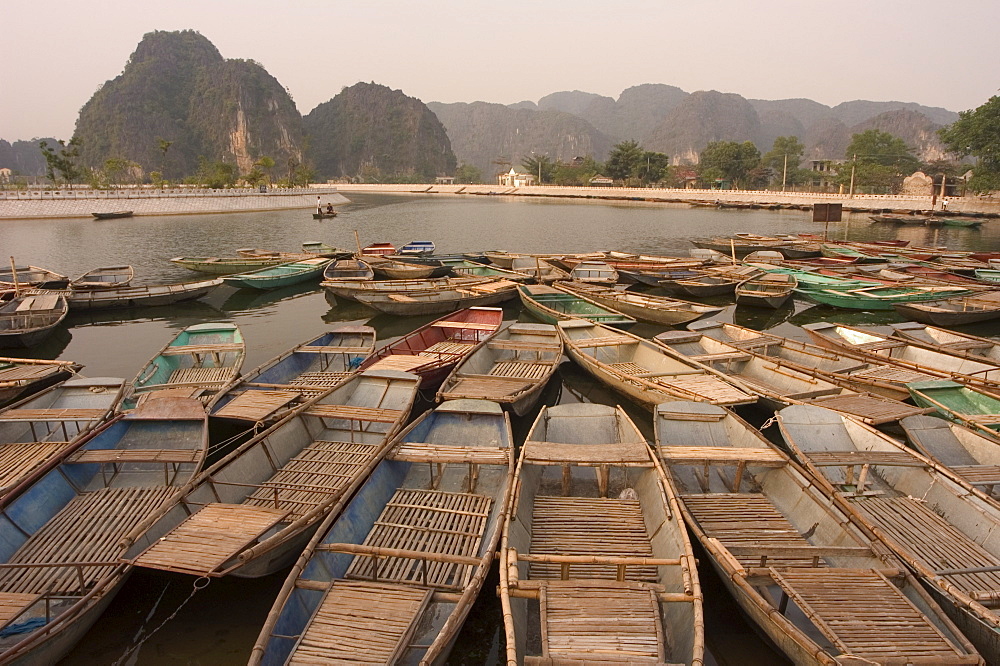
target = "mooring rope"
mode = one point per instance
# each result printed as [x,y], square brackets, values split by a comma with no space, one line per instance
[199,584]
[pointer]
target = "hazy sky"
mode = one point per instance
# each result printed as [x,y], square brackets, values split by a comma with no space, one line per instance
[57,53]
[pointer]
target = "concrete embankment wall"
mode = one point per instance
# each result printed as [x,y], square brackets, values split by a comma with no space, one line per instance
[857,202]
[81,203]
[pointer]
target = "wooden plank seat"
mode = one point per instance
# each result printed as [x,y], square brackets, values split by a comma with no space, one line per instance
[605,341]
[21,372]
[361,622]
[316,349]
[750,520]
[852,457]
[435,453]
[401,362]
[966,345]
[318,473]
[706,387]
[208,538]
[872,409]
[935,542]
[323,379]
[982,419]
[891,374]
[13,604]
[470,325]
[426,521]
[629,368]
[557,453]
[87,530]
[978,475]
[605,624]
[19,458]
[221,348]
[520,369]
[355,413]
[589,526]
[720,455]
[174,456]
[256,405]
[730,357]
[447,348]
[881,345]
[486,387]
[523,345]
[200,376]
[864,615]
[52,414]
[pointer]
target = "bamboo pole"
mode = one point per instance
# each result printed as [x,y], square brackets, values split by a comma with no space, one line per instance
[13,275]
[357,240]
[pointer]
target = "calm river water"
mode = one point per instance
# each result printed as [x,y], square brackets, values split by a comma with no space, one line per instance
[220,623]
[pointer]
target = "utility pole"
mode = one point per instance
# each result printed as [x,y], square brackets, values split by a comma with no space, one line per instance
[854,161]
[784,172]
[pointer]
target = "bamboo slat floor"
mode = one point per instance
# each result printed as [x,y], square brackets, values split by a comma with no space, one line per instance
[209,537]
[519,369]
[361,622]
[426,521]
[602,623]
[200,375]
[88,529]
[256,405]
[324,379]
[21,372]
[589,526]
[21,457]
[866,616]
[934,541]
[354,413]
[52,414]
[117,456]
[978,475]
[12,604]
[871,408]
[401,362]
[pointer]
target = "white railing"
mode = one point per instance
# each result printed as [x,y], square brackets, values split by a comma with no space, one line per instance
[149,193]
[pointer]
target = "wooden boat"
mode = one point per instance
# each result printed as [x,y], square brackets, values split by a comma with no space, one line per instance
[501,258]
[653,277]
[20,377]
[417,248]
[321,249]
[350,288]
[404,561]
[113,215]
[609,546]
[440,301]
[348,270]
[27,320]
[952,342]
[473,269]
[894,218]
[432,350]
[399,270]
[268,391]
[108,277]
[511,369]
[552,305]
[542,271]
[851,370]
[960,222]
[644,307]
[988,275]
[378,250]
[953,311]
[31,277]
[325,215]
[968,453]
[229,265]
[199,361]
[906,354]
[947,532]
[710,282]
[643,370]
[141,296]
[878,297]
[596,272]
[770,290]
[40,427]
[779,386]
[283,257]
[773,535]
[251,513]
[65,522]
[957,402]
[440,265]
[282,275]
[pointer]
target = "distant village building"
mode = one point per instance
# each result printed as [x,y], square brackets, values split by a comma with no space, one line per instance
[689,177]
[918,184]
[824,172]
[601,181]
[515,179]
[444,180]
[921,184]
[5,175]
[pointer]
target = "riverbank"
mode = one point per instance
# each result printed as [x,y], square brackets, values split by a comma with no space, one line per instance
[979,206]
[42,204]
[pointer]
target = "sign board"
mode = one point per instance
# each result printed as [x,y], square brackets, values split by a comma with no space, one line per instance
[827,212]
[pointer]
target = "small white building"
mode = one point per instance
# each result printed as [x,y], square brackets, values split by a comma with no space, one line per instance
[515,179]
[6,175]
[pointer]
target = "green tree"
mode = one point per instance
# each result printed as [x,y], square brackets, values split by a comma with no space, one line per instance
[467,174]
[738,163]
[164,146]
[61,163]
[976,133]
[540,166]
[577,174]
[266,163]
[783,161]
[217,175]
[115,168]
[652,167]
[878,161]
[624,160]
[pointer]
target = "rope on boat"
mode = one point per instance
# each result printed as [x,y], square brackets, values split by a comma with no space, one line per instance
[199,584]
[768,423]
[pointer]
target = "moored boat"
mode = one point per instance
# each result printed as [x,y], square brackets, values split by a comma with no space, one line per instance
[609,546]
[542,271]
[645,307]
[773,535]
[378,250]
[511,369]
[971,454]
[321,249]
[551,305]
[269,391]
[392,577]
[597,272]
[400,270]
[952,342]
[31,277]
[959,403]
[113,215]
[473,269]
[282,275]
[350,287]
[107,277]
[27,320]
[417,248]
[956,311]
[348,270]
[228,265]
[770,290]
[701,286]
[20,377]
[140,296]
[251,513]
[432,350]
[440,301]
[642,370]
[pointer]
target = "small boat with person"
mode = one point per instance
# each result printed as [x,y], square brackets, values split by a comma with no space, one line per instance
[107,277]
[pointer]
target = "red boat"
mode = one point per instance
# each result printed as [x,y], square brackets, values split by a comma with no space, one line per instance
[378,250]
[433,350]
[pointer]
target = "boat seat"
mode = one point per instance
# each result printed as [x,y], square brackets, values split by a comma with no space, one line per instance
[402,362]
[13,604]
[355,413]
[707,388]
[25,305]
[880,345]
[361,622]
[437,453]
[221,348]
[170,456]
[722,356]
[256,405]
[471,325]
[322,379]
[523,345]
[22,372]
[590,455]
[852,458]
[519,370]
[198,376]
[721,455]
[447,348]
[314,349]
[864,615]
[19,458]
[486,387]
[208,538]
[978,475]
[607,341]
[52,414]
[872,409]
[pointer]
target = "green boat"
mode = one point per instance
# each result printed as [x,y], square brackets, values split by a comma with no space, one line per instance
[959,222]
[552,305]
[877,297]
[811,280]
[281,275]
[227,265]
[959,403]
[466,267]
[198,362]
[991,275]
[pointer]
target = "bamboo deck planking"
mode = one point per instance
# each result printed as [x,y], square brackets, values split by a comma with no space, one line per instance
[256,405]
[13,604]
[200,375]
[19,458]
[52,414]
